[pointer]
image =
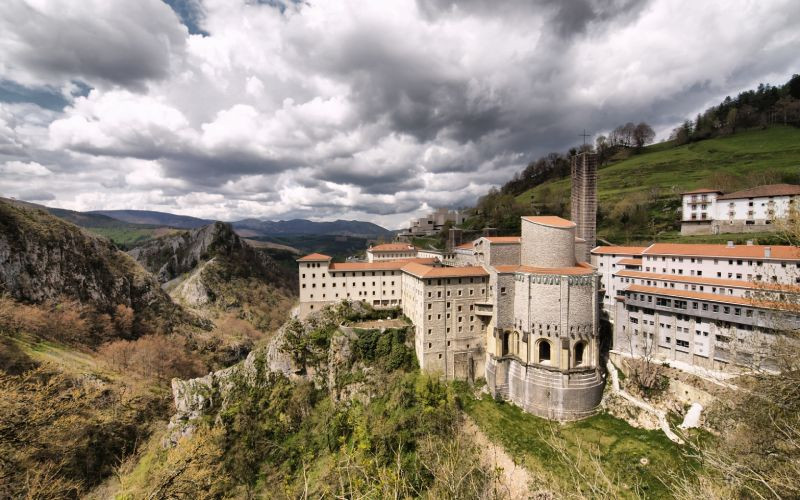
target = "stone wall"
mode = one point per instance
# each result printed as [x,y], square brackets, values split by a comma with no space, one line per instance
[547,246]
[545,392]
[584,199]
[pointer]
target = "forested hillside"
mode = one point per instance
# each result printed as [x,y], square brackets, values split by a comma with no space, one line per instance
[749,140]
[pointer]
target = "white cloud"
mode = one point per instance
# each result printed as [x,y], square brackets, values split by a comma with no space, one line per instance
[352,109]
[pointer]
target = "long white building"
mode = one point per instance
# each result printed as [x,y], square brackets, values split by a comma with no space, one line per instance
[709,305]
[709,211]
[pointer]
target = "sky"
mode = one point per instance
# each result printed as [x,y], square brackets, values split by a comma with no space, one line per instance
[347,109]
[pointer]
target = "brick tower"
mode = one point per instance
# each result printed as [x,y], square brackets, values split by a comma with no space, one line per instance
[584,199]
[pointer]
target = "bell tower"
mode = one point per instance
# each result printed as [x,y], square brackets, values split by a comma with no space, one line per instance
[584,199]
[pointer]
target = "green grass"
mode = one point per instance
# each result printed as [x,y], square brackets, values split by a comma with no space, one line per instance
[682,168]
[662,172]
[618,446]
[124,237]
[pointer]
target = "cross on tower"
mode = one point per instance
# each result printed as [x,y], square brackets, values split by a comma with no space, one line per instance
[584,135]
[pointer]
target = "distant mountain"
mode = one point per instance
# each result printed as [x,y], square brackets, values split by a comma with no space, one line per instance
[355,228]
[45,258]
[154,218]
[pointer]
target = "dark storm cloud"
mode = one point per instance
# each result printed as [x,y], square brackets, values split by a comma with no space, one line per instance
[77,41]
[375,108]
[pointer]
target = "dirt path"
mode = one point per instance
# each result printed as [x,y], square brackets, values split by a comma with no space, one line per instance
[513,482]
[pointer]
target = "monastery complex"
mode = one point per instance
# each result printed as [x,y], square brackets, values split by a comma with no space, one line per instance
[524,311]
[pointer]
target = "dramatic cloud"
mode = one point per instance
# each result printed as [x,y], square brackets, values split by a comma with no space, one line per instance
[348,109]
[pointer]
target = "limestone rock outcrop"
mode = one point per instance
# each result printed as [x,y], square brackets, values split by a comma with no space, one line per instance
[45,258]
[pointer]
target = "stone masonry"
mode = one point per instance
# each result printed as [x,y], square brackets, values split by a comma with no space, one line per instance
[584,199]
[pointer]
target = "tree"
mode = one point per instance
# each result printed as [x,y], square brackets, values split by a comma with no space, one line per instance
[794,86]
[643,134]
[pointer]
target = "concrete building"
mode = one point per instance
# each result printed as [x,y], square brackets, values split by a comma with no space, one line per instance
[433,223]
[714,306]
[709,211]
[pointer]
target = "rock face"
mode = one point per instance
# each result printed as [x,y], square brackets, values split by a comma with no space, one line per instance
[43,257]
[171,256]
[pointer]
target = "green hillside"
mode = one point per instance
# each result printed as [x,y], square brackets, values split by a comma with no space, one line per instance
[639,196]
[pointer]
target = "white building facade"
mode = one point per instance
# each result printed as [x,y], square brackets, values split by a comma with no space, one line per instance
[714,306]
[708,211]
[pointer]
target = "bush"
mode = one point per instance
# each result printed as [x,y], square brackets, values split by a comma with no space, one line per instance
[153,356]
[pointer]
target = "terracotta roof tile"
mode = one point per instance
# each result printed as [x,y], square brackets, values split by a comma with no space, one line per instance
[619,250]
[549,220]
[760,191]
[423,271]
[314,257]
[702,280]
[393,247]
[629,262]
[778,252]
[564,271]
[385,265]
[702,190]
[499,240]
[710,297]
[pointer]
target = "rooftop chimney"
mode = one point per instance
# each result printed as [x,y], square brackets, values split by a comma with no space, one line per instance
[767,252]
[730,244]
[749,243]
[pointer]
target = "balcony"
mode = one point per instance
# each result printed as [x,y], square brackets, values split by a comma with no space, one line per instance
[484,309]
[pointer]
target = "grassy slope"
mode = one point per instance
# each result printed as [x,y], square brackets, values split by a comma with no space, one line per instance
[619,447]
[676,169]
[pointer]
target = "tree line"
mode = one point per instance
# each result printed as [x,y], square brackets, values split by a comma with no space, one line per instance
[766,105]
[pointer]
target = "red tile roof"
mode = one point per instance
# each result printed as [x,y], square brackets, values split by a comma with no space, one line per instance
[630,262]
[314,257]
[549,220]
[500,240]
[385,265]
[393,247]
[618,250]
[422,271]
[761,191]
[702,190]
[778,252]
[702,280]
[466,246]
[710,297]
[581,269]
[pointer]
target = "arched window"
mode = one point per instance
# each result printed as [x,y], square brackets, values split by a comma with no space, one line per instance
[544,352]
[579,348]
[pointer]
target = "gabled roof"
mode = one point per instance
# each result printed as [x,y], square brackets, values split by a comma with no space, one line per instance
[549,220]
[314,257]
[385,265]
[760,191]
[777,252]
[703,190]
[423,271]
[393,247]
[466,246]
[618,250]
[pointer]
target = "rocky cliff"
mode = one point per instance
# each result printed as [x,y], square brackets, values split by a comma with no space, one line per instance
[172,256]
[44,258]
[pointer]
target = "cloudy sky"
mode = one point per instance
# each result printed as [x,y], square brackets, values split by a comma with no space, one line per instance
[373,110]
